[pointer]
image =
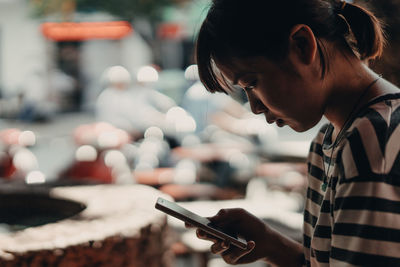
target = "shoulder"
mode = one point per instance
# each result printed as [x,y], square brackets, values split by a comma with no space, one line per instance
[379,119]
[109,92]
[383,111]
[373,140]
[104,95]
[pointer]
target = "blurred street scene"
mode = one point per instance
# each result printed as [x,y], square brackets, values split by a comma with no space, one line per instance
[100,94]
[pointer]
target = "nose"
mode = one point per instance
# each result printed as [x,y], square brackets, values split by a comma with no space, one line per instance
[257,107]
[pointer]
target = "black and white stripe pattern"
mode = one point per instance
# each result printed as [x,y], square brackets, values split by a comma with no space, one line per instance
[356,222]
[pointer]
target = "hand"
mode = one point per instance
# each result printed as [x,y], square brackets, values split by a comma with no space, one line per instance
[254,230]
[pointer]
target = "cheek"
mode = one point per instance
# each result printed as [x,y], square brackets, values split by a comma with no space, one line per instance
[307,115]
[275,99]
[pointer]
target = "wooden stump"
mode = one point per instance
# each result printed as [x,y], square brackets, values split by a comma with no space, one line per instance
[119,227]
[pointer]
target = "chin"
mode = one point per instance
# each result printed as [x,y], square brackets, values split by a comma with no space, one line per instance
[311,124]
[300,127]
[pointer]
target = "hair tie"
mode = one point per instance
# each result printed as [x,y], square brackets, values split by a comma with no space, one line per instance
[339,6]
[343,5]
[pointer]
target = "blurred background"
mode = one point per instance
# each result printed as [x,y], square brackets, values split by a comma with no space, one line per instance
[104,96]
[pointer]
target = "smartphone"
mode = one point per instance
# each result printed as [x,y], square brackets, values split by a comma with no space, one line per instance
[203,223]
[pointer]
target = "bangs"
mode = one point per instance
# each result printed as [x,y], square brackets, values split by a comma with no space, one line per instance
[207,49]
[219,82]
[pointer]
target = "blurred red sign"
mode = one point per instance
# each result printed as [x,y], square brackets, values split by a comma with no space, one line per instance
[170,31]
[80,31]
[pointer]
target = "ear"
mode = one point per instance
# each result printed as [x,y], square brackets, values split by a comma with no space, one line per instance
[303,44]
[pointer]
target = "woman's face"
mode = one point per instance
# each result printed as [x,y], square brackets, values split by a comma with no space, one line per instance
[281,92]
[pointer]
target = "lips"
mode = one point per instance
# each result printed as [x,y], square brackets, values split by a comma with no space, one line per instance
[270,121]
[280,122]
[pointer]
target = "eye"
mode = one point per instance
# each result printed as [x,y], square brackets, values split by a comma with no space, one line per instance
[250,86]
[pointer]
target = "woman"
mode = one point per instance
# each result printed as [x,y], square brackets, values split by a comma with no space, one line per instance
[299,60]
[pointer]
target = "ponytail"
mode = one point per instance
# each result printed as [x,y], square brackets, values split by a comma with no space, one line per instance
[367,30]
[244,29]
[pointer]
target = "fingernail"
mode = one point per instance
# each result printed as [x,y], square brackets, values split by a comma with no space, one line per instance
[199,233]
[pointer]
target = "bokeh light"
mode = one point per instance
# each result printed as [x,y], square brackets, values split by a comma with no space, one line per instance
[35,177]
[147,74]
[86,153]
[27,138]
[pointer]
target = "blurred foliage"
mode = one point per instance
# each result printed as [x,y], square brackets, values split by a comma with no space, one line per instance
[127,9]
[123,9]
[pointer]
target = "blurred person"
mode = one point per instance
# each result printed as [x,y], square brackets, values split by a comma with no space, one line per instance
[98,157]
[62,86]
[17,160]
[11,106]
[7,168]
[41,95]
[131,106]
[206,109]
[36,104]
[299,60]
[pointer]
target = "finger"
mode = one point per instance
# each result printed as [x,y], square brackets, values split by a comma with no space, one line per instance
[220,216]
[188,225]
[222,219]
[205,236]
[226,217]
[235,256]
[220,247]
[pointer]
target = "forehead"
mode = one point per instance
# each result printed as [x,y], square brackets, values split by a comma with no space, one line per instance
[233,69]
[227,72]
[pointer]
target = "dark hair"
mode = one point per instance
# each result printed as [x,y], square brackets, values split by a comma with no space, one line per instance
[247,28]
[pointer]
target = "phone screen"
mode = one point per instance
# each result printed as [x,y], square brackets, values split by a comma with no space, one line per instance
[203,223]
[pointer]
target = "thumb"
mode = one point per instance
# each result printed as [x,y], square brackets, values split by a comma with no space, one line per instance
[238,257]
[220,216]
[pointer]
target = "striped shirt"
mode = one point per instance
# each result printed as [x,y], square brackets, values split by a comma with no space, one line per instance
[355,221]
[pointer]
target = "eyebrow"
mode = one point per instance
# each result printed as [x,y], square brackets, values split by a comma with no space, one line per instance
[237,76]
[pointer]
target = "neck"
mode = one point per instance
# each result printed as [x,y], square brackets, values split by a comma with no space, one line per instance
[352,87]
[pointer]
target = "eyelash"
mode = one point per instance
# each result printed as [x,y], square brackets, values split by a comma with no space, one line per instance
[250,87]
